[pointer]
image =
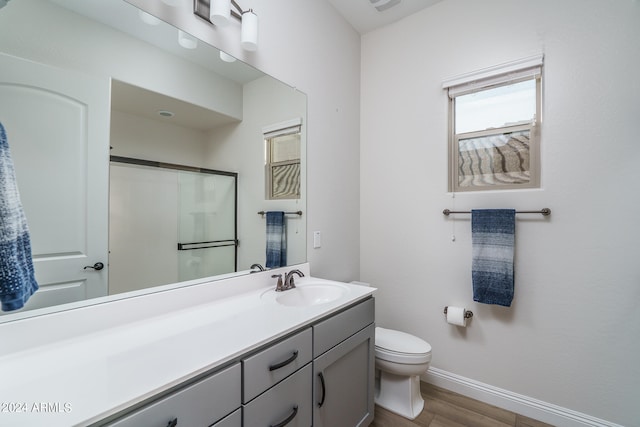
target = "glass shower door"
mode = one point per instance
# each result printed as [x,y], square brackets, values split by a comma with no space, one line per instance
[207,244]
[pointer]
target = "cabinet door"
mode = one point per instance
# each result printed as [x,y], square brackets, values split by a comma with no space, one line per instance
[198,405]
[286,404]
[343,383]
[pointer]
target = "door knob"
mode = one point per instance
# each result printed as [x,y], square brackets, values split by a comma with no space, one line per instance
[96,266]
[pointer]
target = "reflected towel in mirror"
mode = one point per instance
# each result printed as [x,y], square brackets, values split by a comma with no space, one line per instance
[276,240]
[17,280]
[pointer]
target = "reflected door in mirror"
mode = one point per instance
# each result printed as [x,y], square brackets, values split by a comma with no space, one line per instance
[57,127]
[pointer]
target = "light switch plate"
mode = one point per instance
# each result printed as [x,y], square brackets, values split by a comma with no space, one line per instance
[317,239]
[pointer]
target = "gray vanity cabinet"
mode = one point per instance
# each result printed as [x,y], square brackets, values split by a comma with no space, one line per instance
[343,368]
[320,376]
[214,400]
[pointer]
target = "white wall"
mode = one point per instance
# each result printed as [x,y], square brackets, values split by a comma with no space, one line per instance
[572,335]
[309,46]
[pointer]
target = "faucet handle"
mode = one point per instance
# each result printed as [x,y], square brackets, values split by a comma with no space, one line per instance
[279,286]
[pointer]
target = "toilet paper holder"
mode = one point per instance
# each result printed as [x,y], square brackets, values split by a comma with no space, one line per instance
[467,313]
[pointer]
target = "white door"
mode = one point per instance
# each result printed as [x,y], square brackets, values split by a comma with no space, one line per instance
[57,125]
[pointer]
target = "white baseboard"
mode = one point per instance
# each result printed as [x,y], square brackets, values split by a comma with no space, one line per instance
[520,404]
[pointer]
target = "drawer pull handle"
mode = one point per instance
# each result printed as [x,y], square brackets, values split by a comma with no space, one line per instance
[173,423]
[285,363]
[324,390]
[288,420]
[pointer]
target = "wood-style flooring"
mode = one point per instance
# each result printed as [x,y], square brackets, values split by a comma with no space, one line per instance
[443,408]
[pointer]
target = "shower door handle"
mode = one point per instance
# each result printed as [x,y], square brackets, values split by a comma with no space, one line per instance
[97,266]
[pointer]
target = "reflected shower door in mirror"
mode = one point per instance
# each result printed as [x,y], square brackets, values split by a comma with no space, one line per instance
[184,223]
[95,81]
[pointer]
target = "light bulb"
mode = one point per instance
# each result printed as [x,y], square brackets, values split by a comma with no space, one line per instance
[249,35]
[220,12]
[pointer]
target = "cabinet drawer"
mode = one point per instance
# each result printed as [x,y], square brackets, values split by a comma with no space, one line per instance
[338,328]
[289,400]
[267,368]
[198,405]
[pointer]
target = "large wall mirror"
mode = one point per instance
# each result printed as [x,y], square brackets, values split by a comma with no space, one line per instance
[138,147]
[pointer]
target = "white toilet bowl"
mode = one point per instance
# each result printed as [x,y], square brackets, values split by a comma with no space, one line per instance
[400,360]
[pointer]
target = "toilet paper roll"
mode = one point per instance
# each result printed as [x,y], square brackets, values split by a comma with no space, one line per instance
[455,316]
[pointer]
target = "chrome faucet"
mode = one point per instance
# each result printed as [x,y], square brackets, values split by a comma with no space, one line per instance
[288,279]
[288,282]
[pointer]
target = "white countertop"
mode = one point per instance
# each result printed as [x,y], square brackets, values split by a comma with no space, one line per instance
[81,379]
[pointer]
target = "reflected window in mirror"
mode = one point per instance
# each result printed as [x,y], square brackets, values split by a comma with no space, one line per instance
[282,160]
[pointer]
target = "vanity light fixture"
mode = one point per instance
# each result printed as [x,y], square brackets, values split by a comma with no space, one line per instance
[219,13]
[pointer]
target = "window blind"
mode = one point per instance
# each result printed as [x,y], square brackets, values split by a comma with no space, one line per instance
[283,128]
[513,71]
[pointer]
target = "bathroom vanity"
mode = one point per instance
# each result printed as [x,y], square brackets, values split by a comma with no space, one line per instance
[244,355]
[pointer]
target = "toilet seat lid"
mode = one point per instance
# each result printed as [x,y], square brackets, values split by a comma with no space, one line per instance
[400,342]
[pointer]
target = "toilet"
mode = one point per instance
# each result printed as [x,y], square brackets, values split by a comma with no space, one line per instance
[400,359]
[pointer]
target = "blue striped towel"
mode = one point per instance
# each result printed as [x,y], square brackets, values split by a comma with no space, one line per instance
[276,240]
[493,237]
[17,280]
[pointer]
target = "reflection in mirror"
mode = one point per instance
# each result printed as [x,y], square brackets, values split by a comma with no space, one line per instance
[91,81]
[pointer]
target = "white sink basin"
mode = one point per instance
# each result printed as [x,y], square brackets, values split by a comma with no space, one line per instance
[307,294]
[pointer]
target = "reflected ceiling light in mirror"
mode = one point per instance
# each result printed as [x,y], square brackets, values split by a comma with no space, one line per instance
[146,18]
[186,40]
[226,57]
[219,12]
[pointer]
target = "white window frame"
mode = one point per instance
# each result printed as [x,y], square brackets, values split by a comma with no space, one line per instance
[501,75]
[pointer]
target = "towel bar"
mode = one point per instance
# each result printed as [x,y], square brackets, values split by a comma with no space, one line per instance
[543,211]
[299,213]
[467,313]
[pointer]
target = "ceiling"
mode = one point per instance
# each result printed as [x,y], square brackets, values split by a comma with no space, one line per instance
[364,17]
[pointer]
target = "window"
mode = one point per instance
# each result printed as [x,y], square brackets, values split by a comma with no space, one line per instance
[282,160]
[495,127]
